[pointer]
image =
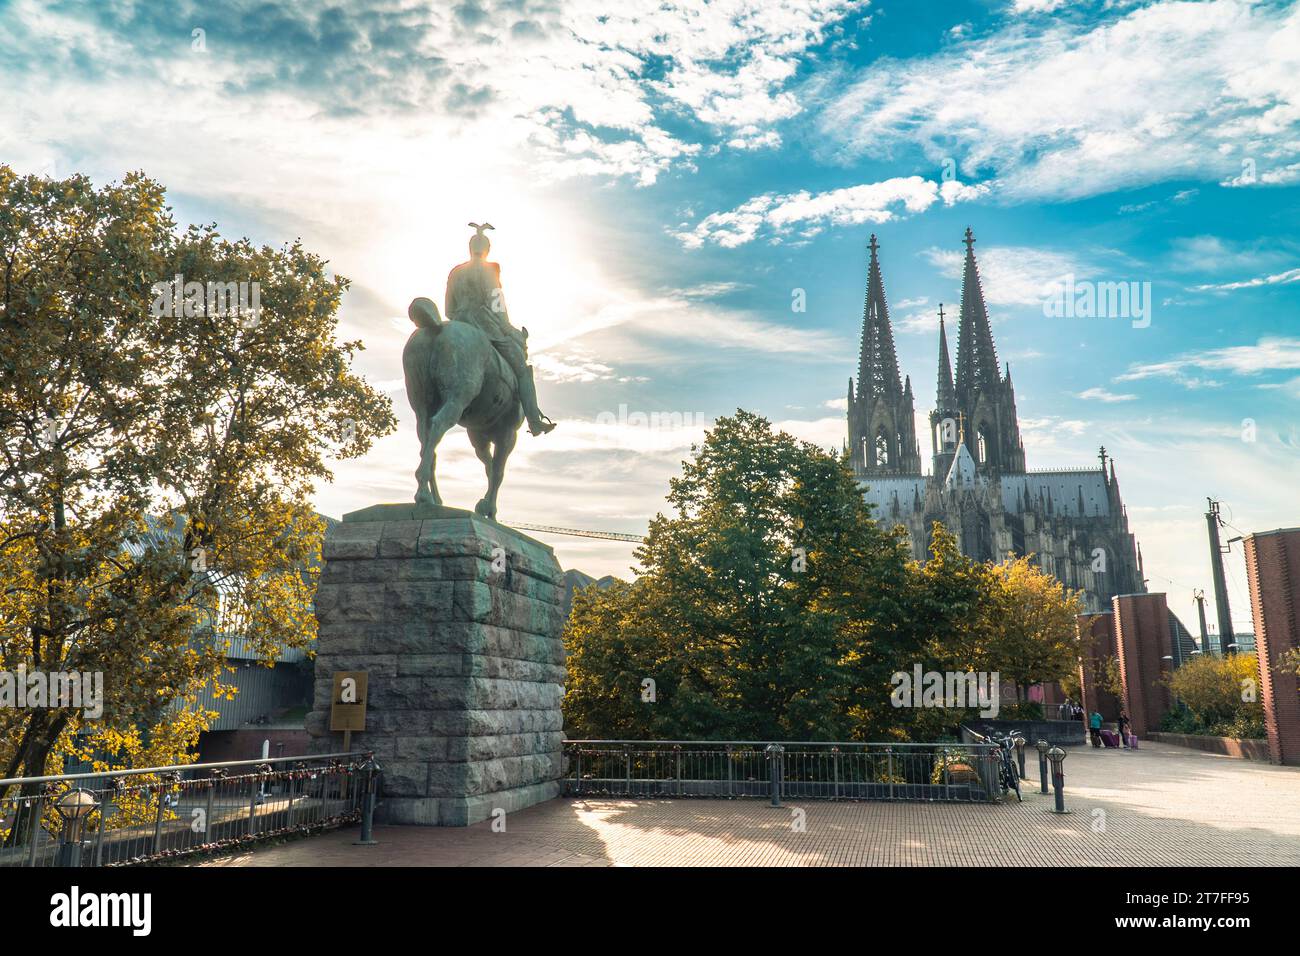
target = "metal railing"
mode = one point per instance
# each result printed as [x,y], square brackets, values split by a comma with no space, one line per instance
[124,817]
[813,770]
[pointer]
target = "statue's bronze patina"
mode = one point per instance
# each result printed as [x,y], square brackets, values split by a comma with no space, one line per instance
[471,370]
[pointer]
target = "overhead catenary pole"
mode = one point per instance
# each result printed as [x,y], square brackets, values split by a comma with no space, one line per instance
[1199,596]
[1212,521]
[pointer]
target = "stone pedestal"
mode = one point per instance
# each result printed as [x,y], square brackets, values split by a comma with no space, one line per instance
[457,621]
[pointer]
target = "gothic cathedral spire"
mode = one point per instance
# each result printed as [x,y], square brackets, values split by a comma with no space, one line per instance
[985,399]
[946,418]
[977,358]
[877,359]
[882,425]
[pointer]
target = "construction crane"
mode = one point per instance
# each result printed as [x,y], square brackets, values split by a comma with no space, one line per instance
[579,533]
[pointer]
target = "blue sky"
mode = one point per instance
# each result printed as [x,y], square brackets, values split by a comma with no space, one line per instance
[664,176]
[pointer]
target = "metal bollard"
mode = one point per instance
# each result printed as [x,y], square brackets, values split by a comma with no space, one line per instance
[1043,746]
[1057,756]
[774,752]
[1020,756]
[374,774]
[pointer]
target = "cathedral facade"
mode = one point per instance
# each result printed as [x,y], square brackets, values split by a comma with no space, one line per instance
[1072,521]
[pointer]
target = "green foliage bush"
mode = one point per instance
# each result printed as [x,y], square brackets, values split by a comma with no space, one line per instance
[1221,697]
[1022,710]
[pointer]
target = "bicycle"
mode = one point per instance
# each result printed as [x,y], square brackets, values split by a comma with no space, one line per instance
[1008,776]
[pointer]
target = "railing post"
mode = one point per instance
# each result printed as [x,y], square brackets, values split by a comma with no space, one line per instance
[677,759]
[293,783]
[731,770]
[835,758]
[252,807]
[627,769]
[774,752]
[209,818]
[577,771]
[373,773]
[889,769]
[157,823]
[34,830]
[105,811]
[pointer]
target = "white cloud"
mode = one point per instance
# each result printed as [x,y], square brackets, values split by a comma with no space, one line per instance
[805,213]
[573,366]
[581,88]
[1037,6]
[1056,109]
[917,323]
[1279,278]
[1103,395]
[1268,354]
[1010,275]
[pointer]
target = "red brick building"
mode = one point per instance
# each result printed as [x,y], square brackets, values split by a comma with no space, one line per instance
[1273,573]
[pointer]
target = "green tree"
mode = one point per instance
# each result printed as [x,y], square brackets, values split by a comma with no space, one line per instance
[769,605]
[950,607]
[118,412]
[1034,632]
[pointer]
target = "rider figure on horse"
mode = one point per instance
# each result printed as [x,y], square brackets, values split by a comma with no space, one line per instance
[474,295]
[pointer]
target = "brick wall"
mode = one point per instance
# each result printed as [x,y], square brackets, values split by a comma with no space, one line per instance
[1098,630]
[1142,640]
[1273,574]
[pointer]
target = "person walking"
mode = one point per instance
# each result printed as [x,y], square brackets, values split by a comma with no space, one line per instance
[1094,726]
[1123,723]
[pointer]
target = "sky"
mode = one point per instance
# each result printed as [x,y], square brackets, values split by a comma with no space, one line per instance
[670,181]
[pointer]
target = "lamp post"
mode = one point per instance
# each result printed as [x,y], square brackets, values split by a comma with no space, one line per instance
[1057,756]
[75,807]
[1043,746]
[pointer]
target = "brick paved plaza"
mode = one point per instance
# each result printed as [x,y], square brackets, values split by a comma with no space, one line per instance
[1161,805]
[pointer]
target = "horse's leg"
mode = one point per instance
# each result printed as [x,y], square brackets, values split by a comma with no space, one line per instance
[439,424]
[503,445]
[482,442]
[422,493]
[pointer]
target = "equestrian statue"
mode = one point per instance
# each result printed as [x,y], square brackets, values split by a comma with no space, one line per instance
[471,370]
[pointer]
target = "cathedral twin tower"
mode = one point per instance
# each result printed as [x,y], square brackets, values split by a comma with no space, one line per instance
[977,410]
[1073,520]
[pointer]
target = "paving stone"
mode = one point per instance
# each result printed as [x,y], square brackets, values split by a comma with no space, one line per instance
[1158,806]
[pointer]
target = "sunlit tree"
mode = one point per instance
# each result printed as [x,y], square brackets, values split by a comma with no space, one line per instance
[160,441]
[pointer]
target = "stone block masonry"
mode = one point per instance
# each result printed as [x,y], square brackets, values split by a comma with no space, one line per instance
[457,620]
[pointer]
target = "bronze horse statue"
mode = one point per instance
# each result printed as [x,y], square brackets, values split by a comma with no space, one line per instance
[454,375]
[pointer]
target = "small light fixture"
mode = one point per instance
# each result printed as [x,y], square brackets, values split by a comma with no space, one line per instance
[75,807]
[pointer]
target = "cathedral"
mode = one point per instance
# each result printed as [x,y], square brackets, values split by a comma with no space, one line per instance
[1072,521]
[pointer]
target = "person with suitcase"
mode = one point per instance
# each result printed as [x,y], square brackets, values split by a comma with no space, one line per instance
[1124,736]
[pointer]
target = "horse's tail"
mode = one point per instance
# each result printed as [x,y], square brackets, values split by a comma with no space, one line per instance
[424,313]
